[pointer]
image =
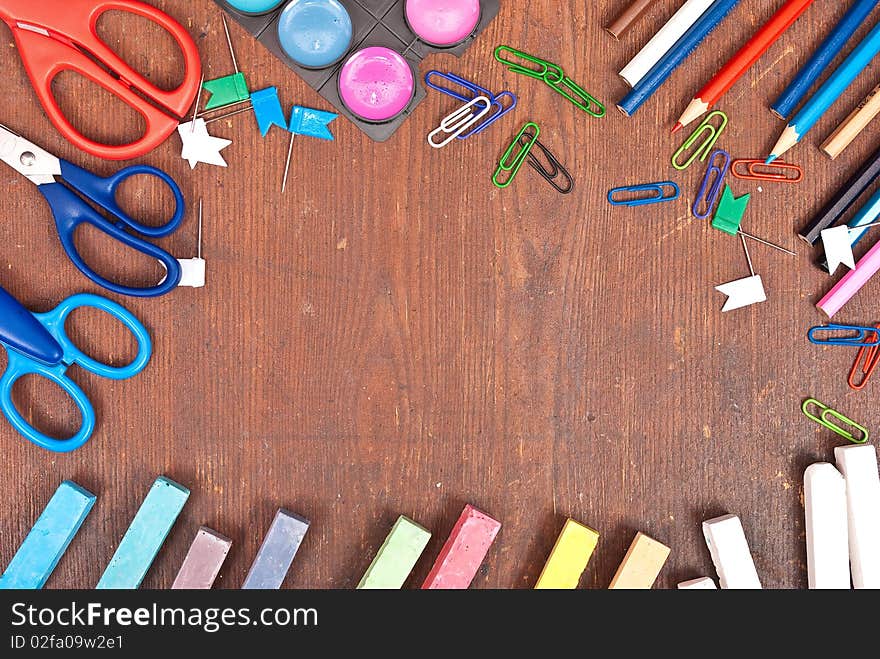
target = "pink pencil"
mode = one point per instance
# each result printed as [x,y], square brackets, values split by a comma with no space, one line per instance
[851,283]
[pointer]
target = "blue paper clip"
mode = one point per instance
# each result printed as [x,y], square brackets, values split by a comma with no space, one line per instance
[859,340]
[659,189]
[493,116]
[708,195]
[499,109]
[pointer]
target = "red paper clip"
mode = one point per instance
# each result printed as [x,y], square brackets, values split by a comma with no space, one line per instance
[758,170]
[867,359]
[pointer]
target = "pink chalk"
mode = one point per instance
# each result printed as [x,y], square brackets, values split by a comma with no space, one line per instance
[443,22]
[851,283]
[203,561]
[376,84]
[464,551]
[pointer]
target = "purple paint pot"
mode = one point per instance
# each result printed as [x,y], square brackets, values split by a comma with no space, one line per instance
[443,22]
[376,84]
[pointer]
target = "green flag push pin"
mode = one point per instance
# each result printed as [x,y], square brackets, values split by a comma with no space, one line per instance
[229,89]
[729,216]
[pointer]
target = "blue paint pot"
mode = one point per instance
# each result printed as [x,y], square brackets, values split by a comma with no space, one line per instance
[315,33]
[254,6]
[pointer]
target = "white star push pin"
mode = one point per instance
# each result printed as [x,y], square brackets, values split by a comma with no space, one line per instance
[199,146]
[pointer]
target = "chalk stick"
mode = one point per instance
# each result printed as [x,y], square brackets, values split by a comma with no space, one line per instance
[700,583]
[464,551]
[145,536]
[569,557]
[730,552]
[280,545]
[49,538]
[858,464]
[397,556]
[826,526]
[641,565]
[203,561]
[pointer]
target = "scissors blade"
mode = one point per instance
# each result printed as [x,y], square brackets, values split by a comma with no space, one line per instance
[36,164]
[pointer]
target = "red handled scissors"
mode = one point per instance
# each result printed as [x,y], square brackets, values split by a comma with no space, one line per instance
[61,35]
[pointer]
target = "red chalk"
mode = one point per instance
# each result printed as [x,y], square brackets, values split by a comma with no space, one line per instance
[464,551]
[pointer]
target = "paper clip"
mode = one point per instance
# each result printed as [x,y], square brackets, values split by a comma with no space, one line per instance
[860,340]
[511,161]
[708,195]
[502,103]
[457,122]
[556,168]
[714,132]
[826,411]
[866,361]
[758,170]
[659,196]
[577,95]
[491,118]
[546,71]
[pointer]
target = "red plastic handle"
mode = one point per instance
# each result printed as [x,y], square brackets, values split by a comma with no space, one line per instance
[76,21]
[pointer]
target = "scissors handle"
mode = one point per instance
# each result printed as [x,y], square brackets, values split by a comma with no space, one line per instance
[102,191]
[70,211]
[74,23]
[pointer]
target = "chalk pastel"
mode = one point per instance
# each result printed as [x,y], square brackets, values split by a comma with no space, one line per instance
[826,527]
[280,545]
[858,464]
[569,557]
[641,565]
[203,561]
[49,538]
[464,551]
[700,583]
[396,557]
[729,548]
[145,536]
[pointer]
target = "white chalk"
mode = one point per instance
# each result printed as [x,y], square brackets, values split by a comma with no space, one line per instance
[730,552]
[858,464]
[827,541]
[701,583]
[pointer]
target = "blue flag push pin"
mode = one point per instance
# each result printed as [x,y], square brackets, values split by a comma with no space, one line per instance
[309,122]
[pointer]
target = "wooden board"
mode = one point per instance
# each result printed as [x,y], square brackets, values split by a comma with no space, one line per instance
[396,336]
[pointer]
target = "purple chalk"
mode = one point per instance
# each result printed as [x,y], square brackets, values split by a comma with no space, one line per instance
[277,552]
[203,561]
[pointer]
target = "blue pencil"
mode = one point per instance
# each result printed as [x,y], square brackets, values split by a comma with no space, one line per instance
[676,55]
[828,93]
[823,56]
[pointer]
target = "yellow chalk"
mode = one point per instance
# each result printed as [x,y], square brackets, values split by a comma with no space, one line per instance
[569,557]
[642,563]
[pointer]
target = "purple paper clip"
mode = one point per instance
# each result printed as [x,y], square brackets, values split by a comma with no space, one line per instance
[709,194]
[474,90]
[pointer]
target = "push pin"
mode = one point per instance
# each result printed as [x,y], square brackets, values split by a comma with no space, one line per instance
[729,216]
[743,292]
[230,89]
[193,270]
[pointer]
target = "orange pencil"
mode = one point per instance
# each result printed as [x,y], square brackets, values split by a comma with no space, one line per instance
[742,61]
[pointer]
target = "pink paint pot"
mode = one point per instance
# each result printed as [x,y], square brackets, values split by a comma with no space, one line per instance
[443,22]
[376,84]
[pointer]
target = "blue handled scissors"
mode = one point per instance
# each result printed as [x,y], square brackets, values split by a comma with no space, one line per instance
[38,345]
[59,181]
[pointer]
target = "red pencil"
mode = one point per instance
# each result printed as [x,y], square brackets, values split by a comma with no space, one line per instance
[742,61]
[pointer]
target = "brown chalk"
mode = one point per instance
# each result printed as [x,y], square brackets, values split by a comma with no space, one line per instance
[628,18]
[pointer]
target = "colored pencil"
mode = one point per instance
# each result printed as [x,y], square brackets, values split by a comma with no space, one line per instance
[827,94]
[676,55]
[660,43]
[851,283]
[628,17]
[824,55]
[845,197]
[736,67]
[854,124]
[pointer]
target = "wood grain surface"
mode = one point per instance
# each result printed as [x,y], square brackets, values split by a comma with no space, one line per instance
[396,336]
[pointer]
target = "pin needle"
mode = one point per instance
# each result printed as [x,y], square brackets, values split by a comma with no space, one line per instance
[229,42]
[192,126]
[287,166]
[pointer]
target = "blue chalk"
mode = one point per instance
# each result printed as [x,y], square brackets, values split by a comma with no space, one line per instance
[277,551]
[313,123]
[48,539]
[268,110]
[145,535]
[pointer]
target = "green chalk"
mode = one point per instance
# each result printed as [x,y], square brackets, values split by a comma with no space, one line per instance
[397,556]
[730,212]
[226,91]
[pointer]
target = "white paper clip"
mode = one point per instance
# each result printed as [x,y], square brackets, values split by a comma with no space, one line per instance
[459,121]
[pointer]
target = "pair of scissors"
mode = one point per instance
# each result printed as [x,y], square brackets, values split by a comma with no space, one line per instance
[38,345]
[72,210]
[61,35]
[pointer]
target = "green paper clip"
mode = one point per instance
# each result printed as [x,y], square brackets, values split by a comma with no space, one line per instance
[226,91]
[580,97]
[730,212]
[714,132]
[822,421]
[512,167]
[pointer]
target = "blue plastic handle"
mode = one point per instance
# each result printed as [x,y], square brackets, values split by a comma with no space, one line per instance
[22,332]
[21,365]
[71,211]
